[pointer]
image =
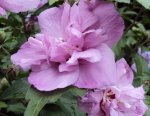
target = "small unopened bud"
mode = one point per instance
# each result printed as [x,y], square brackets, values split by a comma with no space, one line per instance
[12,72]
[3,83]
[2,36]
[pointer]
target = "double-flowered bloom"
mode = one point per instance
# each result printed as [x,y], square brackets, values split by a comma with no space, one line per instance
[119,99]
[72,46]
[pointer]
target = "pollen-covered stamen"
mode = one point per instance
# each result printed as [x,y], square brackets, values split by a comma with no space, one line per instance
[109,95]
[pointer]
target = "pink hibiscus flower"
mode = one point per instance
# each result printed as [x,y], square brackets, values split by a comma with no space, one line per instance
[72,48]
[120,99]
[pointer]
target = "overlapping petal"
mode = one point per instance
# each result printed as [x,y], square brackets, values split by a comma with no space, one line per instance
[101,22]
[73,44]
[108,18]
[30,53]
[114,101]
[3,12]
[124,72]
[51,79]
[99,72]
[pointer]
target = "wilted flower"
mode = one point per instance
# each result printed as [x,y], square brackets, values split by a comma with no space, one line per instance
[120,99]
[71,51]
[17,6]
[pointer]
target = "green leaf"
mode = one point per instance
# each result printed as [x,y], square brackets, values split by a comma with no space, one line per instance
[39,99]
[147,101]
[137,81]
[51,2]
[145,3]
[147,112]
[17,108]
[17,90]
[123,1]
[3,104]
[141,65]
[66,105]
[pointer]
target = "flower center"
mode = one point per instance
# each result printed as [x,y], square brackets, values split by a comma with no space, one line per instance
[109,95]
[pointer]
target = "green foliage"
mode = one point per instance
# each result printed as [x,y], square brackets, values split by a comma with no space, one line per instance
[141,65]
[3,104]
[18,108]
[51,2]
[16,95]
[37,100]
[16,90]
[123,1]
[66,105]
[145,3]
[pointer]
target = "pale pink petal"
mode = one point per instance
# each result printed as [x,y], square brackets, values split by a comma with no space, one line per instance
[67,67]
[19,5]
[51,79]
[96,114]
[112,23]
[90,55]
[90,102]
[58,52]
[108,19]
[75,17]
[124,72]
[50,20]
[141,108]
[65,18]
[31,53]
[81,19]
[113,113]
[75,37]
[3,12]
[93,38]
[97,75]
[137,93]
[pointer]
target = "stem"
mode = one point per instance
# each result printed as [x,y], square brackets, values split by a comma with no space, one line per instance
[135,19]
[24,26]
[1,114]
[5,50]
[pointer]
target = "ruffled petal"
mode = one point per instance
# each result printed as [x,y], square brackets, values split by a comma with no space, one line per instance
[124,72]
[51,79]
[90,55]
[93,38]
[90,103]
[49,21]
[31,53]
[81,19]
[137,93]
[3,12]
[99,74]
[54,21]
[108,19]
